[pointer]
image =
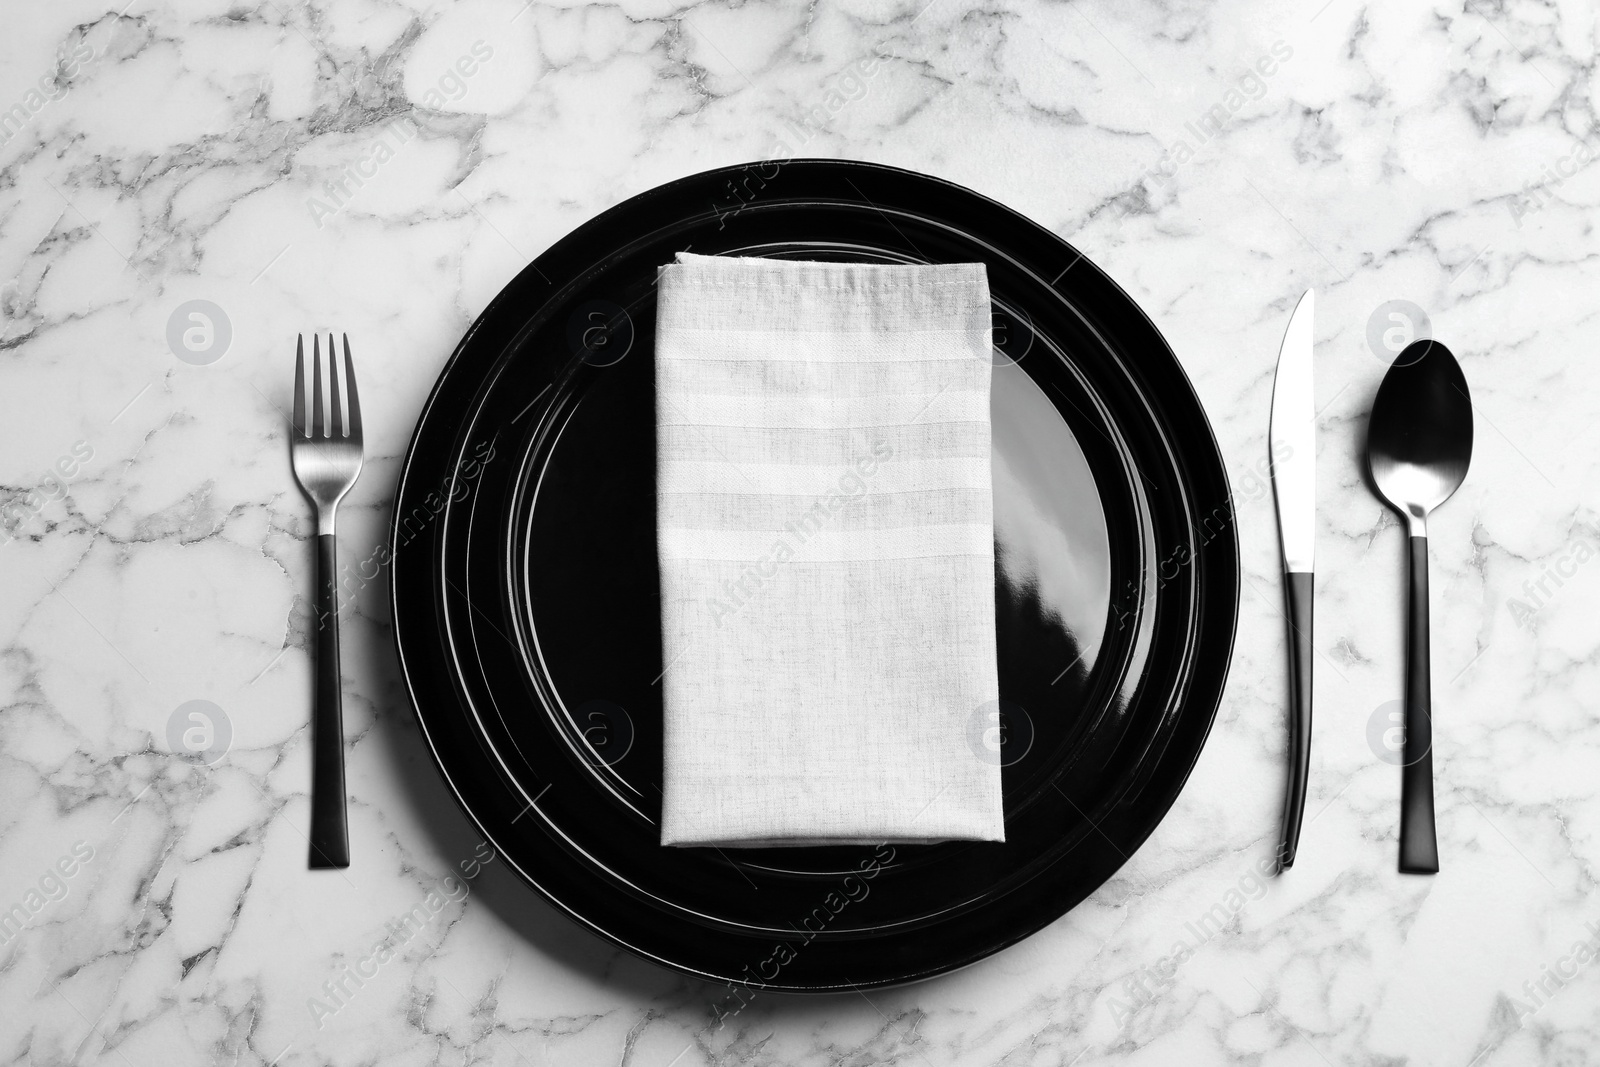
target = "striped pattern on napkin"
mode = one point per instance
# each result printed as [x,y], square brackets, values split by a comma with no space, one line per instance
[827,556]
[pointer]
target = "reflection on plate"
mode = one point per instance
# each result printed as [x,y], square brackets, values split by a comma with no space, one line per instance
[1049,529]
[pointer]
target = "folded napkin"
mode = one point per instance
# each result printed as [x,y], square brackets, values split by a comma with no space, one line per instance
[826,541]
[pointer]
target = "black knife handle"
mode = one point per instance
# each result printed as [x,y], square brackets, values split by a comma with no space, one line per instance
[1419,848]
[1297,586]
[330,838]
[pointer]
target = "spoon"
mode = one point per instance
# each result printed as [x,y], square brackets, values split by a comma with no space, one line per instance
[1419,442]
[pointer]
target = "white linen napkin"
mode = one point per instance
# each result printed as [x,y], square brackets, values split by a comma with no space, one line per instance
[825,525]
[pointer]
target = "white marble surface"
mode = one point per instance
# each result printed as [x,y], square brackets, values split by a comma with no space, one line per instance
[1404,151]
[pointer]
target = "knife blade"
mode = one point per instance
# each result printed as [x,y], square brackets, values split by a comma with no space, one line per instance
[1292,456]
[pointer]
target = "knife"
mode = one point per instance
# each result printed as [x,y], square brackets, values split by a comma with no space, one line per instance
[1292,454]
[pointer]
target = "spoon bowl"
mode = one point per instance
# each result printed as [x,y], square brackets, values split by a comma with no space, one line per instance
[1419,443]
[1419,439]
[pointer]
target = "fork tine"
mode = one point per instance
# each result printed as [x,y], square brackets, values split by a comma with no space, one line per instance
[316,387]
[334,418]
[350,388]
[300,386]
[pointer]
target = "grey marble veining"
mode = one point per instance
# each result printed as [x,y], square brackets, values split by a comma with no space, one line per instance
[384,168]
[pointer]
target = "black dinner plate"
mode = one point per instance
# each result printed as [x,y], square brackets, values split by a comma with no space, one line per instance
[527,608]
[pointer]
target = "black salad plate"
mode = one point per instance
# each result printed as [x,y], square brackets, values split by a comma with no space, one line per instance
[527,607]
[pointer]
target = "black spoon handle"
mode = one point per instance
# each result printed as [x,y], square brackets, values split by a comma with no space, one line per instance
[1297,587]
[330,839]
[1419,850]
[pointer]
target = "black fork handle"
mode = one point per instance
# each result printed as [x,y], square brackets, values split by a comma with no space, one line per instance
[1419,847]
[330,835]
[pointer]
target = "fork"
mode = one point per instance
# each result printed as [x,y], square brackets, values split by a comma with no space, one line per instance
[326,460]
